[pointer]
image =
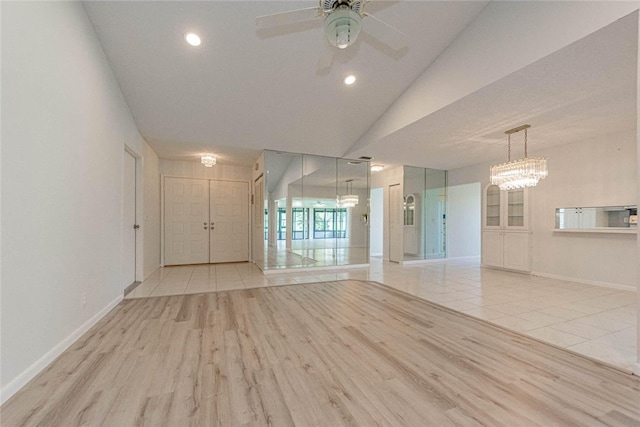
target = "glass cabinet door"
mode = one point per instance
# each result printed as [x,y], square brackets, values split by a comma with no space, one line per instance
[515,208]
[492,210]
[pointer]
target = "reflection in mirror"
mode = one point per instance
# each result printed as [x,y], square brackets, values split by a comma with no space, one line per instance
[597,217]
[312,218]
[424,233]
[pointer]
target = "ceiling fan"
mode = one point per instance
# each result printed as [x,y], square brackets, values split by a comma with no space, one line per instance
[342,22]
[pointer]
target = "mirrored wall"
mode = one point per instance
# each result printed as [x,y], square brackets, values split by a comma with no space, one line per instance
[424,213]
[316,211]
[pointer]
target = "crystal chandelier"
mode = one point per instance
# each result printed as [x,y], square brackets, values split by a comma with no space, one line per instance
[208,160]
[348,200]
[519,173]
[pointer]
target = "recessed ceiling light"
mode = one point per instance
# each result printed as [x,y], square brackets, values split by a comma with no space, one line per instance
[193,39]
[376,168]
[349,80]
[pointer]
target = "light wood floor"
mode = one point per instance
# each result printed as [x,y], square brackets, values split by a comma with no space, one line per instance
[330,354]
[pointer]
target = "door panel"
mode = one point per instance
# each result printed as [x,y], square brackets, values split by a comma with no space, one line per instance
[492,248]
[186,221]
[258,222]
[229,221]
[128,221]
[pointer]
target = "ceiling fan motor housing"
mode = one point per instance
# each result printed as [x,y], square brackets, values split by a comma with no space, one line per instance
[342,27]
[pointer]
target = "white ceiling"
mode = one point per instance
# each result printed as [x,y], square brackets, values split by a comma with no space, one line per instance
[583,91]
[243,91]
[249,90]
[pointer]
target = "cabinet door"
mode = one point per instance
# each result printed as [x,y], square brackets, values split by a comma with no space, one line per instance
[492,207]
[492,248]
[516,209]
[516,251]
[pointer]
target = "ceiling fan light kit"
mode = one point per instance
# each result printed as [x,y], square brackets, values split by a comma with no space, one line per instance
[342,27]
[342,23]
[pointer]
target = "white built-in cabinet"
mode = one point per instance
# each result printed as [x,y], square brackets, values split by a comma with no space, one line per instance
[505,229]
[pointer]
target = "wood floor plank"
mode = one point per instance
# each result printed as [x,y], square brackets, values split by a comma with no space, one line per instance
[324,354]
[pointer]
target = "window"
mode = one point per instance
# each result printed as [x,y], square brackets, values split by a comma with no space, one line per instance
[329,223]
[299,223]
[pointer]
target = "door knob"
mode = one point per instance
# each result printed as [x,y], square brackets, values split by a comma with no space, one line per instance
[136,226]
[205,227]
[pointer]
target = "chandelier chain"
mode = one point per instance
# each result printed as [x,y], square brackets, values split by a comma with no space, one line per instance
[525,143]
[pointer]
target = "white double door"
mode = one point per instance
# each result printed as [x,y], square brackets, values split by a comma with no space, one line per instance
[205,221]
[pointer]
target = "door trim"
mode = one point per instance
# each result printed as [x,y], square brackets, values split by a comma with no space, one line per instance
[139,213]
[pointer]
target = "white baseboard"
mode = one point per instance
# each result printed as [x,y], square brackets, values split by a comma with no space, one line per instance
[469,257]
[28,374]
[586,282]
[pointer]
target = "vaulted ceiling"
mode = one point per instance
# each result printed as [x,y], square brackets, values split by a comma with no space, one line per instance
[245,90]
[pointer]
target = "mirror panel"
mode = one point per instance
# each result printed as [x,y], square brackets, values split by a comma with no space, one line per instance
[308,224]
[596,217]
[424,209]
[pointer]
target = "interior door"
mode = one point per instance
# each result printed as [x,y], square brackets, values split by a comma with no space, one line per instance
[186,223]
[258,222]
[129,227]
[229,221]
[396,224]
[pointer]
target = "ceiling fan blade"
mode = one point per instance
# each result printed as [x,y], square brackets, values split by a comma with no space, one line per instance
[384,32]
[288,17]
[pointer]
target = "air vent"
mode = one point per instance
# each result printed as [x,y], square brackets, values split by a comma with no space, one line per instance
[365,158]
[354,162]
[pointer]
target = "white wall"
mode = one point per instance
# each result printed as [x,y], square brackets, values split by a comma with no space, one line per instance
[590,173]
[385,178]
[150,211]
[597,172]
[64,127]
[636,367]
[195,169]
[464,211]
[376,221]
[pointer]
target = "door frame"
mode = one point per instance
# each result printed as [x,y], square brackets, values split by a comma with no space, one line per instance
[399,214]
[139,212]
[162,202]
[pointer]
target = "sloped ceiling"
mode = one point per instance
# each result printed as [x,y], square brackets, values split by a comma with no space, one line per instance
[245,90]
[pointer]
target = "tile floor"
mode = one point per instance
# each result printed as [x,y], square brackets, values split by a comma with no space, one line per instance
[595,321]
